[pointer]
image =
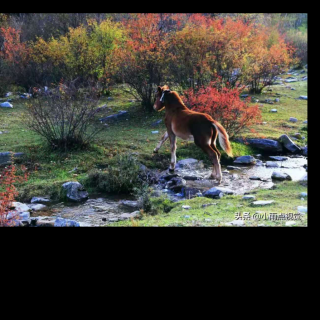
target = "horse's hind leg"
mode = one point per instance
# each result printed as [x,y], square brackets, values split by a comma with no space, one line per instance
[213,155]
[161,142]
[213,144]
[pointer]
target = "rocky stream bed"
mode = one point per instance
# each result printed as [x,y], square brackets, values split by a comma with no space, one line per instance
[190,179]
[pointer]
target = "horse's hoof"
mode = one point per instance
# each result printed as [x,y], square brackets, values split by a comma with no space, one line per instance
[171,170]
[155,151]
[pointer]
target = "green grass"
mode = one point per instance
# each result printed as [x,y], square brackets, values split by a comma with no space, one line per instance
[287,107]
[50,169]
[286,196]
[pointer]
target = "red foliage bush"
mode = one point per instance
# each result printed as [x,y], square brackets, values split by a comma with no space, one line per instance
[224,105]
[8,192]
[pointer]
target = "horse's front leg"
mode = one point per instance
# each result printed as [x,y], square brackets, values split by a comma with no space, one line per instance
[173,146]
[161,142]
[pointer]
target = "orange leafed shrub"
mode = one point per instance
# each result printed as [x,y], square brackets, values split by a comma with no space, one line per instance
[225,106]
[14,51]
[8,192]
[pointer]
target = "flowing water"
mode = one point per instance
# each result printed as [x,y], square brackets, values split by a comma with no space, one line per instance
[98,210]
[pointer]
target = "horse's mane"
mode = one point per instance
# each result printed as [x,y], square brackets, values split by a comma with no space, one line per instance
[175,98]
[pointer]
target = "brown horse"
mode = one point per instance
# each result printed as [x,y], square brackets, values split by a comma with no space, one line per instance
[185,124]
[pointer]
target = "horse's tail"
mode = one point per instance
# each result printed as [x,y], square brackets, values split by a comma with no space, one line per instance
[223,138]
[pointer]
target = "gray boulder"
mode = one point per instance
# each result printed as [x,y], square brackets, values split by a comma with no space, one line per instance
[61,222]
[6,105]
[217,192]
[176,184]
[262,202]
[272,164]
[278,175]
[305,151]
[245,160]
[248,197]
[42,200]
[289,145]
[266,144]
[74,191]
[5,157]
[291,80]
[278,158]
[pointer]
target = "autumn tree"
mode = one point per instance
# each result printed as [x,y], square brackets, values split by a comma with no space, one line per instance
[144,61]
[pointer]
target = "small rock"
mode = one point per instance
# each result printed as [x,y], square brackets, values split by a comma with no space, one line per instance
[262,202]
[6,105]
[272,164]
[303,194]
[238,223]
[245,160]
[302,209]
[61,222]
[42,200]
[277,175]
[186,207]
[292,119]
[37,207]
[274,110]
[254,178]
[303,97]
[233,168]
[208,204]
[154,132]
[217,192]
[290,223]
[305,122]
[248,197]
[278,158]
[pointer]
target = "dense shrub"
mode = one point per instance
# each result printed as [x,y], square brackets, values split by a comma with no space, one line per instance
[63,115]
[121,177]
[225,106]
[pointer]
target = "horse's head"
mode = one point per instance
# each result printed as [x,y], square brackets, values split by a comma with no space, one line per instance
[160,97]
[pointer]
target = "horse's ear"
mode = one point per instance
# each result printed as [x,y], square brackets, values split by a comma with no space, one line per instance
[159,89]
